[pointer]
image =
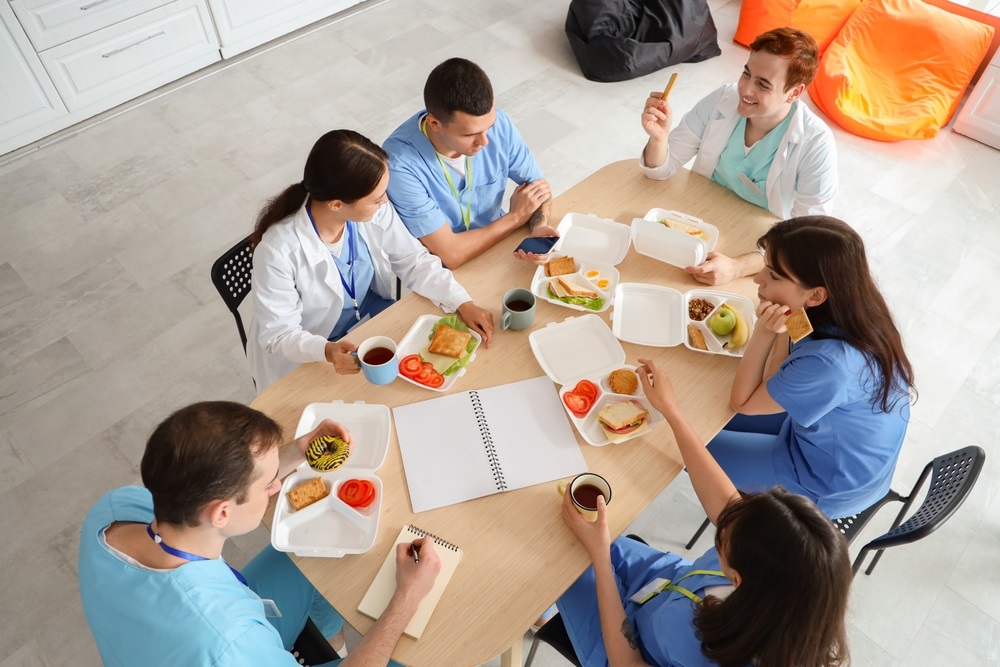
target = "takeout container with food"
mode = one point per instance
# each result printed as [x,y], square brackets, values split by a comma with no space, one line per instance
[660,316]
[417,340]
[686,243]
[330,527]
[584,348]
[597,246]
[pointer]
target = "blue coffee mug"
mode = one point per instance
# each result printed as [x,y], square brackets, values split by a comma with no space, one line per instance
[377,357]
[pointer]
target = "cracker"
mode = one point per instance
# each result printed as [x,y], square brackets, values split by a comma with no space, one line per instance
[697,337]
[306,494]
[798,325]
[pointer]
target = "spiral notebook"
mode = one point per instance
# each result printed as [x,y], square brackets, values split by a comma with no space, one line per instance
[477,443]
[380,592]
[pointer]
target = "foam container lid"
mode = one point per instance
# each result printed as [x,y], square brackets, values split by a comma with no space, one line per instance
[671,246]
[598,239]
[329,527]
[576,347]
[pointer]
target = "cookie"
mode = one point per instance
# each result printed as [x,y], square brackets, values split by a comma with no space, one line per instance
[623,381]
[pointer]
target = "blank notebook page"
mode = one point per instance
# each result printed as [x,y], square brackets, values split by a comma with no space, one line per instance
[477,443]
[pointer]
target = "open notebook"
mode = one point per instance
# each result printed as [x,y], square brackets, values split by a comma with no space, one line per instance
[380,592]
[477,443]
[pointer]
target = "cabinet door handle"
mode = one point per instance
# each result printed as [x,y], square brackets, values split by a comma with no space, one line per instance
[93,4]
[126,48]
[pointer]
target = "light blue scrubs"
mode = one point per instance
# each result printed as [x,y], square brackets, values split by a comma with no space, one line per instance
[420,192]
[663,626]
[196,614]
[754,165]
[832,444]
[369,302]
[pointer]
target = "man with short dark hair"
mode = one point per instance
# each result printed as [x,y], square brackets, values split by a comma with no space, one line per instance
[155,589]
[449,167]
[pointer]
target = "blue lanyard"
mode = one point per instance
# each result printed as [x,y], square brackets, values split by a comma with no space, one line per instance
[467,211]
[185,555]
[350,259]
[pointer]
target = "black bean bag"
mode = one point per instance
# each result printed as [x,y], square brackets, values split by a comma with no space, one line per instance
[615,40]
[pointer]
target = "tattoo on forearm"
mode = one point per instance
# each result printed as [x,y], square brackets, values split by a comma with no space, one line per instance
[629,635]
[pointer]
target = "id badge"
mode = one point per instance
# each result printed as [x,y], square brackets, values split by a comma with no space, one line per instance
[359,323]
[647,592]
[747,181]
[270,608]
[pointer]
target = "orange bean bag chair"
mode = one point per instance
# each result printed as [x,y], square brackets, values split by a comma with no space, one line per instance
[898,69]
[822,19]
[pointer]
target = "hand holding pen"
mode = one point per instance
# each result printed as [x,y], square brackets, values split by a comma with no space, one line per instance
[417,566]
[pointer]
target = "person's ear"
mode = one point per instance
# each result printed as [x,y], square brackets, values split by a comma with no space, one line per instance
[217,512]
[737,579]
[433,122]
[816,296]
[334,205]
[795,92]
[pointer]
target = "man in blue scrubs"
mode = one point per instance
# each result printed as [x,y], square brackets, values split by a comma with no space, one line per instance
[449,167]
[154,586]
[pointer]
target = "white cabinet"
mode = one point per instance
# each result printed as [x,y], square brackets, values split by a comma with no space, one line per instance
[244,24]
[980,115]
[29,105]
[52,22]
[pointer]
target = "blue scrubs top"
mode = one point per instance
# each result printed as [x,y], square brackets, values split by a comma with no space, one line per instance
[840,446]
[754,165]
[420,192]
[663,626]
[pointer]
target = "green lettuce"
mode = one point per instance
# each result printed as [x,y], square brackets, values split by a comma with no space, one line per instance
[455,322]
[589,304]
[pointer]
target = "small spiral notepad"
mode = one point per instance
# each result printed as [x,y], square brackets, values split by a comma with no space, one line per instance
[380,592]
[477,443]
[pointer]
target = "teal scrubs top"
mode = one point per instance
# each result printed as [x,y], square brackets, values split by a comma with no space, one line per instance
[753,165]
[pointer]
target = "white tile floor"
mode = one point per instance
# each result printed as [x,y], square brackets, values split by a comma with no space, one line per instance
[108,319]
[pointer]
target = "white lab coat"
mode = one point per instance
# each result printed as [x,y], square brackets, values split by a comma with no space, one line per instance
[803,176]
[298,296]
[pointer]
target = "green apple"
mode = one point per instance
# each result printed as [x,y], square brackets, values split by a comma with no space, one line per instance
[722,322]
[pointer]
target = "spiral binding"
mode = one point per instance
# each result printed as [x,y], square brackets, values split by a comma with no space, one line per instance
[437,540]
[491,450]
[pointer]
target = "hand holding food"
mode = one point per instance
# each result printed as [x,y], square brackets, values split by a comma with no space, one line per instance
[657,386]
[771,317]
[657,116]
[326,429]
[327,452]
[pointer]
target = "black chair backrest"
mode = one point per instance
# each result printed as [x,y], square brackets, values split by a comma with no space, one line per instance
[850,526]
[231,277]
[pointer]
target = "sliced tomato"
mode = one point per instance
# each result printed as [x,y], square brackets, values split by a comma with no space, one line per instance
[586,388]
[577,404]
[435,380]
[411,365]
[426,371]
[357,492]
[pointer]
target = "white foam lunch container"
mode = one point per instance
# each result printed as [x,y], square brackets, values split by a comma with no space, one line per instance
[416,340]
[652,238]
[329,527]
[581,348]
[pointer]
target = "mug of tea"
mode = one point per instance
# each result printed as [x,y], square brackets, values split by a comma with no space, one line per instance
[518,309]
[583,491]
[377,356]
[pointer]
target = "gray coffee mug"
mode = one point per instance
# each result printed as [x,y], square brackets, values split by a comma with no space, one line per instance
[518,309]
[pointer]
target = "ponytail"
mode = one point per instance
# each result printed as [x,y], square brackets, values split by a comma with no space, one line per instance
[276,209]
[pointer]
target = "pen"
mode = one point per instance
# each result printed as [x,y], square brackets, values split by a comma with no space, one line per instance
[416,553]
[670,84]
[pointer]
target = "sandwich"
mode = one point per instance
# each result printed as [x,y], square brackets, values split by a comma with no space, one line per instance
[306,494]
[560,267]
[568,290]
[690,230]
[449,341]
[619,420]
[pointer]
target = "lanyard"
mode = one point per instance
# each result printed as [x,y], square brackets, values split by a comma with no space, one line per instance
[467,211]
[645,595]
[350,260]
[185,555]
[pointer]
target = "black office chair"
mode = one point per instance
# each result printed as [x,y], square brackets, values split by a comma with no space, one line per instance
[231,277]
[554,634]
[952,478]
[311,647]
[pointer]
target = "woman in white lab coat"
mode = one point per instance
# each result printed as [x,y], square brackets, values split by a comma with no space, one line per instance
[327,251]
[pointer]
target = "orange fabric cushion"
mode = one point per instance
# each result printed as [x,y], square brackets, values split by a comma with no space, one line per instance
[898,69]
[822,19]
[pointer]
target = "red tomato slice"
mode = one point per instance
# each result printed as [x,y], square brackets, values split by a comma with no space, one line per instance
[411,365]
[577,404]
[587,389]
[426,371]
[368,496]
[435,380]
[357,492]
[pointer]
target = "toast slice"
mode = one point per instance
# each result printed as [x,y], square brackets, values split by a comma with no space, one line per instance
[560,267]
[306,494]
[449,341]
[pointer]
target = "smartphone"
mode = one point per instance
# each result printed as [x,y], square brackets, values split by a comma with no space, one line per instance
[537,244]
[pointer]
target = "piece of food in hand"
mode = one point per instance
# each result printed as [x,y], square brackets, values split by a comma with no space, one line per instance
[798,325]
[622,419]
[327,452]
[623,381]
[697,338]
[698,309]
[358,493]
[741,332]
[560,267]
[306,494]
[448,341]
[722,322]
[690,230]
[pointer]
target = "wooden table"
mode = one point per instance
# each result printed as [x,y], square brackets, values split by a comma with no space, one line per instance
[519,556]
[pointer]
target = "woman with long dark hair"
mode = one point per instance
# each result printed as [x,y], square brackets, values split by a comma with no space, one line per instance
[826,416]
[327,251]
[772,592]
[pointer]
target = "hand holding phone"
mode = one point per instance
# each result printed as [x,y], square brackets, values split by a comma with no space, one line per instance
[538,245]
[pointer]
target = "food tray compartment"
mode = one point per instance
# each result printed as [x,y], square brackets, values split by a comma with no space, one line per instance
[592,431]
[416,341]
[606,272]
